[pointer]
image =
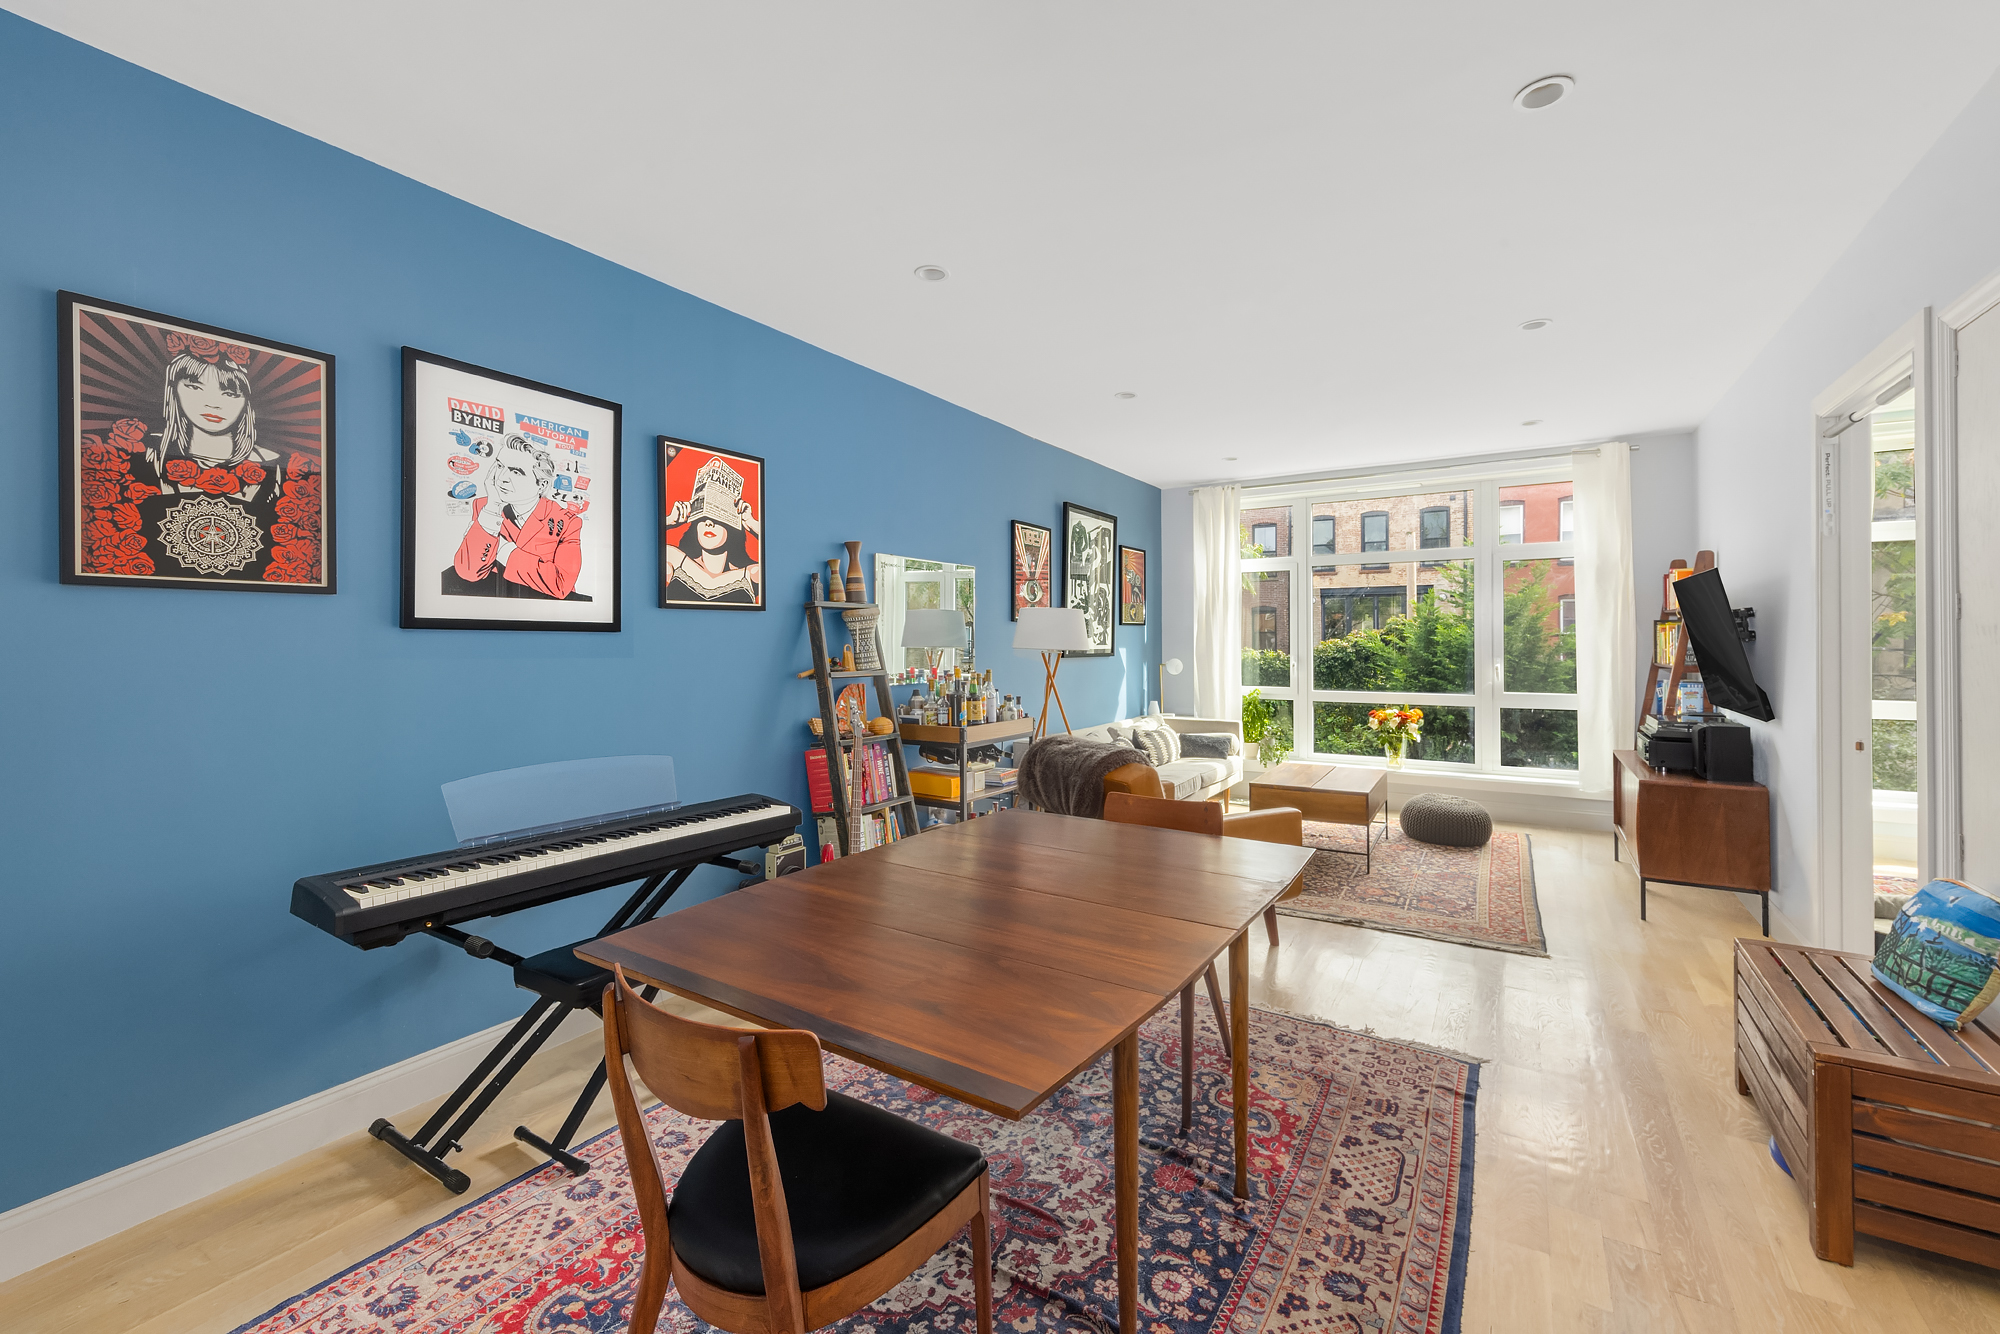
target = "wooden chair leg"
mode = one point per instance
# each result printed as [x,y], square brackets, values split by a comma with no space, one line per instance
[982,1260]
[1221,1013]
[1187,1057]
[655,1271]
[1271,924]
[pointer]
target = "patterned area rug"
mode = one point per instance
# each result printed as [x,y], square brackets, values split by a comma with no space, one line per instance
[1894,882]
[1361,1199]
[1470,896]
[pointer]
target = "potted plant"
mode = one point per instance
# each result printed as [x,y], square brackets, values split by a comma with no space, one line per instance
[1266,731]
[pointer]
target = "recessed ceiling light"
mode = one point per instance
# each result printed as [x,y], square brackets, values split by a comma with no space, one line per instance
[1124,393]
[932,273]
[1534,324]
[1544,92]
[1229,458]
[1532,421]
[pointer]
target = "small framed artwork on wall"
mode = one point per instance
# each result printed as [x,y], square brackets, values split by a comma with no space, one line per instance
[1090,576]
[711,527]
[510,501]
[191,456]
[1032,546]
[1131,586]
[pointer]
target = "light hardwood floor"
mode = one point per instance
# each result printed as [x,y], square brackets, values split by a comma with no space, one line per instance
[1620,1182]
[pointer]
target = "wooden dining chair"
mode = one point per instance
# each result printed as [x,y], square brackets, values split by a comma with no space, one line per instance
[1277,824]
[803,1206]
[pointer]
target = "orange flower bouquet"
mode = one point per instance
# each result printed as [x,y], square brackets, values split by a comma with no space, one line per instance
[1396,729]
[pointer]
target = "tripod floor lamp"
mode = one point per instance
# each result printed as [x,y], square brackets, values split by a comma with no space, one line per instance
[1052,632]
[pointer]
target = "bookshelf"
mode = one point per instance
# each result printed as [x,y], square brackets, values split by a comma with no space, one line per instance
[848,759]
[1678,669]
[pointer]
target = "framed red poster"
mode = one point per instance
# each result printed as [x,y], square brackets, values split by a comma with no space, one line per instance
[1032,545]
[1131,586]
[192,456]
[711,527]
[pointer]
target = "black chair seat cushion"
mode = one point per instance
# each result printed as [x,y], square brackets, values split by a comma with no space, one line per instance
[858,1181]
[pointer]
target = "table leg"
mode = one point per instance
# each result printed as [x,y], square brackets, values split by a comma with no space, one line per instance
[1239,1066]
[1221,1010]
[1187,1057]
[1125,1173]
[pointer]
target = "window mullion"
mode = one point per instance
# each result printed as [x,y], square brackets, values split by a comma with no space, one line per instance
[1486,629]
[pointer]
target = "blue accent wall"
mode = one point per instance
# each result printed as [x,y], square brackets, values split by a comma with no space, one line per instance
[174,760]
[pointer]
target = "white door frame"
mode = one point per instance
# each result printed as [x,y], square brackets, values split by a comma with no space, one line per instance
[1948,831]
[1844,846]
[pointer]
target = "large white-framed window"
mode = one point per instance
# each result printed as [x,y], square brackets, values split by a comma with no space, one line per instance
[1456,595]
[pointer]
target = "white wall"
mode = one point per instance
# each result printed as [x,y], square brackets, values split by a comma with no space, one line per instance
[1663,529]
[1937,235]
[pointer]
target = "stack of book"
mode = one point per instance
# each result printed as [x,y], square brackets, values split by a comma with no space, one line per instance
[874,781]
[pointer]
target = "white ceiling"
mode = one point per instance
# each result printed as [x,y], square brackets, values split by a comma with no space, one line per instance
[1302,234]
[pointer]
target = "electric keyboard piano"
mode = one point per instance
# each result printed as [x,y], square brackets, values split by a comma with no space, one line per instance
[372,906]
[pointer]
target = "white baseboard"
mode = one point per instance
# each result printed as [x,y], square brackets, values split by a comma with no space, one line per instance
[56,1225]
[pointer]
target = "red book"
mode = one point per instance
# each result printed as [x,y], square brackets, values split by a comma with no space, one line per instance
[817,782]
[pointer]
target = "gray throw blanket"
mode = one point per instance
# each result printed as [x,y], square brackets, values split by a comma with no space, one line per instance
[1065,774]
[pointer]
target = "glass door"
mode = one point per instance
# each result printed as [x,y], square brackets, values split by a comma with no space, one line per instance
[1892,649]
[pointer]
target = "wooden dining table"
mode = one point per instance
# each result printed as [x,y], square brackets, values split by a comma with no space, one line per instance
[991,961]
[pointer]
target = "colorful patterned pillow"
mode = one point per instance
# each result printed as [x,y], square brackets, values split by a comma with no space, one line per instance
[1943,953]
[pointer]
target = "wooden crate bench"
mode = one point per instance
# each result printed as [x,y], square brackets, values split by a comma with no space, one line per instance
[1891,1123]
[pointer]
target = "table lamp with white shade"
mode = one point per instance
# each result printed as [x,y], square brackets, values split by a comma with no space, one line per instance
[1052,632]
[1171,667]
[934,631]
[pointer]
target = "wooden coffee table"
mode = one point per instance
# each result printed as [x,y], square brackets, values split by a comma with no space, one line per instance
[1331,794]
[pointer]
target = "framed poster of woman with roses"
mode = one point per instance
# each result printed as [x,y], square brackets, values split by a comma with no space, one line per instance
[191,456]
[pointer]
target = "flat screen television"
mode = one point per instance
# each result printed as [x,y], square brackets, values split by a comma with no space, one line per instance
[1711,632]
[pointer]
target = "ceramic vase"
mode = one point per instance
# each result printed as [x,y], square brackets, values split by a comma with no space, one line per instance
[833,593]
[861,629]
[856,590]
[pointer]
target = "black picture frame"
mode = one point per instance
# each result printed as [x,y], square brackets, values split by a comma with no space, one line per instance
[422,538]
[1126,602]
[1020,541]
[111,359]
[1090,574]
[678,460]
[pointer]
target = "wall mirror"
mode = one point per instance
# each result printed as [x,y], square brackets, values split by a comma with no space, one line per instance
[904,584]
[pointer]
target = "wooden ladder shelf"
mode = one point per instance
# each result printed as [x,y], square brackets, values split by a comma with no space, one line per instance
[847,813]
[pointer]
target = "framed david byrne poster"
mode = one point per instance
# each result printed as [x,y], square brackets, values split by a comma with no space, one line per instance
[1090,573]
[1033,555]
[192,456]
[510,501]
[1131,586]
[711,527]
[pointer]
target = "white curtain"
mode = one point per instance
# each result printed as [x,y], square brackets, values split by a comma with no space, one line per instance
[1606,661]
[1218,603]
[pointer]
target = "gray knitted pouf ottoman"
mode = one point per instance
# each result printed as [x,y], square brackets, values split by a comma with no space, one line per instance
[1451,822]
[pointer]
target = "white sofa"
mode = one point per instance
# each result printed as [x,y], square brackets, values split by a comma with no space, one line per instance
[1190,778]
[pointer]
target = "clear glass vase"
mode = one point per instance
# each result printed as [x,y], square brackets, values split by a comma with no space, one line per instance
[1394,754]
